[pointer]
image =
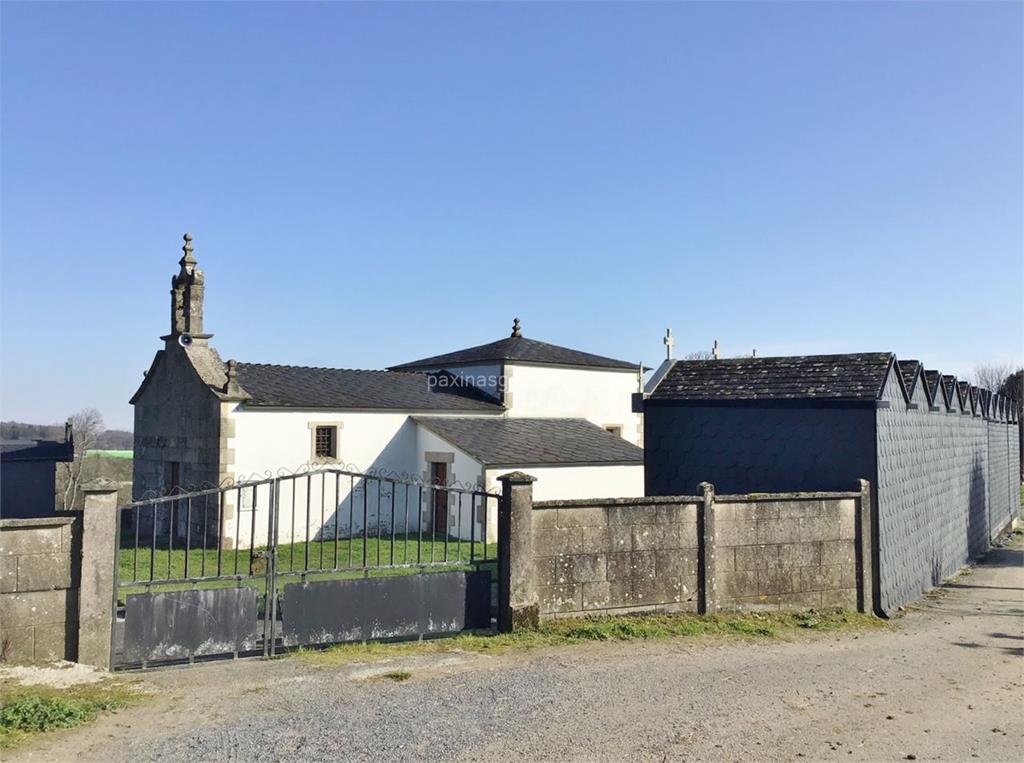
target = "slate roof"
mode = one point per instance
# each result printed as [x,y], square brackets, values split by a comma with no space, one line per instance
[36,450]
[949,384]
[325,388]
[908,371]
[518,348]
[856,376]
[520,442]
[933,379]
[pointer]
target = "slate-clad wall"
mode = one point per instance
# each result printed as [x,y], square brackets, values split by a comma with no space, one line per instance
[748,447]
[943,491]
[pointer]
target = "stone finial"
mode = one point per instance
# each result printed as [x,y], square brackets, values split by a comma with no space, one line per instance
[715,351]
[516,327]
[231,385]
[187,258]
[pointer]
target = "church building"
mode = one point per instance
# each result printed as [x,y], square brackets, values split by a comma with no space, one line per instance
[462,417]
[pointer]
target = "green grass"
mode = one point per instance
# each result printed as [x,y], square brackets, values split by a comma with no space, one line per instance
[397,675]
[774,625]
[110,454]
[31,710]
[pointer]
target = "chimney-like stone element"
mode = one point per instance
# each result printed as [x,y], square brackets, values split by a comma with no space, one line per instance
[187,295]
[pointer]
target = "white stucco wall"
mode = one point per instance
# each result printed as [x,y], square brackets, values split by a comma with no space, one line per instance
[600,396]
[570,482]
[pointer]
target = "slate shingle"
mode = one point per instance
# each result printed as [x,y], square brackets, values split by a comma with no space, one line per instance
[518,348]
[517,442]
[325,388]
[856,376]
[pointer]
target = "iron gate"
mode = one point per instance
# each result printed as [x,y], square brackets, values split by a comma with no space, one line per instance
[314,558]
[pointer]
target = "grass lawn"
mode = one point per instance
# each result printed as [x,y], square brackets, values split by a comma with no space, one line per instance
[27,710]
[769,625]
[110,454]
[169,564]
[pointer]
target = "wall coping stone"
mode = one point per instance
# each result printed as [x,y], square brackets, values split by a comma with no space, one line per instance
[642,501]
[783,496]
[55,521]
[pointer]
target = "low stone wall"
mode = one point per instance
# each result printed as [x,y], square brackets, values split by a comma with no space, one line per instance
[39,588]
[796,550]
[57,583]
[617,554]
[686,553]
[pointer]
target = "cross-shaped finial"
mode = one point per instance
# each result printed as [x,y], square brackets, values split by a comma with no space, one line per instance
[670,343]
[715,351]
[516,329]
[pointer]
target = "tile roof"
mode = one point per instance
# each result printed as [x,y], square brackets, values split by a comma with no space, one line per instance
[520,442]
[303,387]
[856,376]
[522,349]
[36,450]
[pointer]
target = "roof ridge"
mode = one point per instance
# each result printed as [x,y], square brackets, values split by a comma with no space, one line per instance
[330,368]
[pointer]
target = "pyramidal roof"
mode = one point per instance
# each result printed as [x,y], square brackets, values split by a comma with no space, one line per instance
[517,348]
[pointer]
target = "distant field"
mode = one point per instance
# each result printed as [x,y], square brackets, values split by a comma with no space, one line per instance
[110,453]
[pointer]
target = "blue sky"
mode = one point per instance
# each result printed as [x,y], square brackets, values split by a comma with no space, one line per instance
[372,183]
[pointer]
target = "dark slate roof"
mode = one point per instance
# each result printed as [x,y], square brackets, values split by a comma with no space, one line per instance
[949,384]
[522,349]
[932,379]
[857,376]
[302,387]
[908,370]
[36,450]
[520,442]
[964,389]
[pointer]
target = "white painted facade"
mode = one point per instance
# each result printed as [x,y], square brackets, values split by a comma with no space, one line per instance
[555,483]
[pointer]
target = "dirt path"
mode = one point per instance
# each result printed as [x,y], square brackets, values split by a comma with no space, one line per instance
[945,683]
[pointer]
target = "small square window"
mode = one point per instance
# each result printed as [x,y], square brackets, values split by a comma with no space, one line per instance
[325,442]
[615,429]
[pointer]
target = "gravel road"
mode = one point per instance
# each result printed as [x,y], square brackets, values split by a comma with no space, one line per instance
[945,682]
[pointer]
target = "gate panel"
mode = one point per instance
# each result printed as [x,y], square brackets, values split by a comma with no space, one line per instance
[333,611]
[175,625]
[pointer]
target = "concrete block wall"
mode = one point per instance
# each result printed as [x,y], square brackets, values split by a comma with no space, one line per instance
[688,553]
[787,551]
[615,555]
[39,588]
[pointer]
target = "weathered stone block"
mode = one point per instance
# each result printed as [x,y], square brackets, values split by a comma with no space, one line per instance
[30,540]
[658,590]
[805,509]
[17,644]
[792,555]
[552,570]
[676,514]
[597,540]
[582,516]
[568,540]
[735,533]
[821,578]
[847,524]
[844,599]
[43,572]
[50,643]
[8,574]
[621,538]
[620,593]
[587,568]
[596,595]
[801,600]
[544,519]
[649,537]
[34,607]
[734,585]
[777,581]
[675,563]
[756,557]
[838,552]
[824,527]
[560,598]
[779,530]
